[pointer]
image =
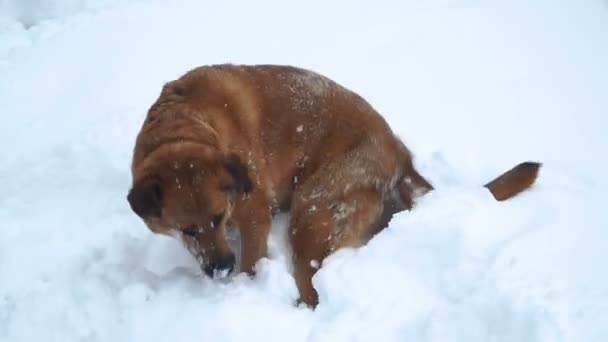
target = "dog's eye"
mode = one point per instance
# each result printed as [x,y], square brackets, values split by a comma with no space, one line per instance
[191,231]
[216,220]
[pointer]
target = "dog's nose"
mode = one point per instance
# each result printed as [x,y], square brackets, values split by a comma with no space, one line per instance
[226,263]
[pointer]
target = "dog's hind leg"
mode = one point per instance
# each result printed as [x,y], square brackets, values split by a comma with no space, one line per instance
[321,228]
[330,211]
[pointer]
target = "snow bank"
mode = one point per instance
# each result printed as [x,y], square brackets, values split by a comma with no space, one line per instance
[473,87]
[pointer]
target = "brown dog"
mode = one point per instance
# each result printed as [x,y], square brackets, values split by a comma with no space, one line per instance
[231,145]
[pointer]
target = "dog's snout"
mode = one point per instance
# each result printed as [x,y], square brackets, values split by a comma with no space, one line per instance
[224,264]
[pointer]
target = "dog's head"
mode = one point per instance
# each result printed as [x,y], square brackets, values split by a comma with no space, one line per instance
[186,190]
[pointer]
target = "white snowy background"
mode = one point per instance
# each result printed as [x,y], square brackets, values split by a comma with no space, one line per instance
[472,86]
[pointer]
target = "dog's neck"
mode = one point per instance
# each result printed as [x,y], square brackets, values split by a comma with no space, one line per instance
[155,135]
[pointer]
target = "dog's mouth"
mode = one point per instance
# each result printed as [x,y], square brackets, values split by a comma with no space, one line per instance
[220,268]
[217,267]
[215,273]
[214,266]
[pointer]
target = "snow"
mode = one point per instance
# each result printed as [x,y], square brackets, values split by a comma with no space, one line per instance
[472,86]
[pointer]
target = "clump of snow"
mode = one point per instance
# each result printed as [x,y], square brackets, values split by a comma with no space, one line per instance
[473,87]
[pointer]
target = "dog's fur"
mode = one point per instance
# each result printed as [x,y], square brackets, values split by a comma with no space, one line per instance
[231,145]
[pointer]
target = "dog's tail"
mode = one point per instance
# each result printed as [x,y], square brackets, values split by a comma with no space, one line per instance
[514,181]
[503,187]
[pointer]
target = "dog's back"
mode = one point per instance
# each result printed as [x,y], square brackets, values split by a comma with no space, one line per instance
[292,119]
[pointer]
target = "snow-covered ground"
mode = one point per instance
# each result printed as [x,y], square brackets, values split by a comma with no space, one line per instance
[472,86]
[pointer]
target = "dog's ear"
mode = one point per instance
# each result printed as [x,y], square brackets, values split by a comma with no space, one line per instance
[145,198]
[240,175]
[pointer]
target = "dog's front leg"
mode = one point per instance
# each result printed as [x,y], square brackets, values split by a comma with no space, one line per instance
[254,229]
